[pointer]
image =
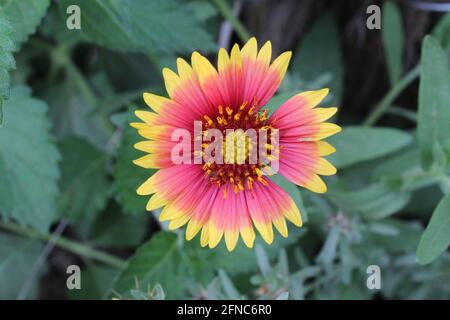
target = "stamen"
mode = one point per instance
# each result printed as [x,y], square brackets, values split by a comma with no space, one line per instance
[235,172]
[263,181]
[208,119]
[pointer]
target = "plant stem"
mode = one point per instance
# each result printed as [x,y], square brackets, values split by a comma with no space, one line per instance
[61,58]
[407,114]
[67,244]
[389,98]
[226,12]
[87,93]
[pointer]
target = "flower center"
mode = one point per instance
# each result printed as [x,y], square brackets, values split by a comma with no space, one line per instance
[240,160]
[236,147]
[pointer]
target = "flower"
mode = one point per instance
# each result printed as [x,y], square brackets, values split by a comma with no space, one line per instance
[227,199]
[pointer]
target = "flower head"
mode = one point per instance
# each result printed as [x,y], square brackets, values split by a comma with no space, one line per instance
[221,188]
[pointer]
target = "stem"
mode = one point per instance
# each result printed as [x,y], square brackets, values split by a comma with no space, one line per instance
[67,244]
[386,102]
[226,12]
[87,92]
[407,114]
[62,58]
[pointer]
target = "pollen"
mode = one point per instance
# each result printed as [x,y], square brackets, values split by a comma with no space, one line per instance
[240,164]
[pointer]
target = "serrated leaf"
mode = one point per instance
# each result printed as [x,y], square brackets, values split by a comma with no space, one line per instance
[115,229]
[358,144]
[17,257]
[84,184]
[436,238]
[434,100]
[322,41]
[393,38]
[28,162]
[7,61]
[72,115]
[127,176]
[158,261]
[142,25]
[25,17]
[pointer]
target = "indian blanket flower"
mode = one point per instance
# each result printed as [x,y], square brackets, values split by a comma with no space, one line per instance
[225,200]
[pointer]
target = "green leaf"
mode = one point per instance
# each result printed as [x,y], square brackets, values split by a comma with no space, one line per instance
[17,257]
[436,238]
[434,100]
[96,282]
[405,238]
[210,260]
[376,201]
[322,41]
[116,229]
[7,61]
[393,40]
[127,176]
[28,162]
[72,115]
[159,261]
[398,164]
[25,17]
[142,25]
[84,183]
[442,31]
[358,144]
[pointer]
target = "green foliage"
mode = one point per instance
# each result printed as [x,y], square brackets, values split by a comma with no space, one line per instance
[74,115]
[96,282]
[358,144]
[127,176]
[84,184]
[118,230]
[158,261]
[393,40]
[376,201]
[322,40]
[434,101]
[7,61]
[26,163]
[442,31]
[436,237]
[17,256]
[24,16]
[142,25]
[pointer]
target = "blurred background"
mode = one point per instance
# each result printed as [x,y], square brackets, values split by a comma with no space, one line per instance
[67,183]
